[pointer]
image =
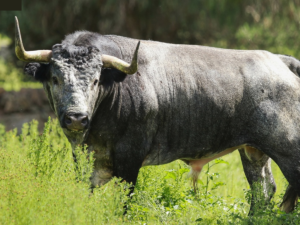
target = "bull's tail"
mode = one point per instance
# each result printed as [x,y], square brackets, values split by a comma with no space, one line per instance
[292,63]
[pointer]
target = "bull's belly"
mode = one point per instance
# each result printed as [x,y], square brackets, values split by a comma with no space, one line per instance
[198,163]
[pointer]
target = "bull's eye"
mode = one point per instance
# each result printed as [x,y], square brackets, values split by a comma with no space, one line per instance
[55,81]
[95,82]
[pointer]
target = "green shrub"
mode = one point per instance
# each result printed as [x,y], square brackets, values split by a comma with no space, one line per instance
[4,40]
[13,79]
[40,184]
[264,24]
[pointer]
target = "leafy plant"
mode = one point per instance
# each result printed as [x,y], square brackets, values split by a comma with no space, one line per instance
[41,184]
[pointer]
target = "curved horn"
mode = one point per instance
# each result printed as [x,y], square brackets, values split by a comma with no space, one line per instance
[29,56]
[114,62]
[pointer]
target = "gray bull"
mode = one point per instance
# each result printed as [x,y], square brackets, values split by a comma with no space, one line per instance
[186,102]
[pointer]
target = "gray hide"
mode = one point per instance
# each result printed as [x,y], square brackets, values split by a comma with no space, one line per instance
[193,101]
[188,102]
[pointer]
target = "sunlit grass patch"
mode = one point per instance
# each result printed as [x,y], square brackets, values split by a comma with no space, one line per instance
[13,79]
[40,184]
[4,40]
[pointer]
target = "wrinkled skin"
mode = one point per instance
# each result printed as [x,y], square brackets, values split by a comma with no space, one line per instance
[185,102]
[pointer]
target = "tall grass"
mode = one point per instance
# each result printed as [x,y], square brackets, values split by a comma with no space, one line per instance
[40,184]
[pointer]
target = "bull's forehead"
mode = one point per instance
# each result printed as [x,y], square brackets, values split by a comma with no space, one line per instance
[71,74]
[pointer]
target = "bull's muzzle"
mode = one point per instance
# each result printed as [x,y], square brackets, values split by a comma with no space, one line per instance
[76,121]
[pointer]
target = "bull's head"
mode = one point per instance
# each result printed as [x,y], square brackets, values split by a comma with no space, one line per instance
[71,78]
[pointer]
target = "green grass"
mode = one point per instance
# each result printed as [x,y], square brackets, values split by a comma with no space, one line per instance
[13,79]
[4,40]
[40,184]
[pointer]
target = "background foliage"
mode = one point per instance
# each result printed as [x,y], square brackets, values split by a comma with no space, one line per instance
[253,24]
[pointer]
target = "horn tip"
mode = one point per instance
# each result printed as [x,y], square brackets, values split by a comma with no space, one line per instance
[137,48]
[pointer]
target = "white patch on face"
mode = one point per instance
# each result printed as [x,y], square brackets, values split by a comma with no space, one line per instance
[75,92]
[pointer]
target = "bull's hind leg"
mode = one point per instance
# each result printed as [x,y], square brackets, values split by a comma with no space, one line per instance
[289,166]
[257,168]
[290,199]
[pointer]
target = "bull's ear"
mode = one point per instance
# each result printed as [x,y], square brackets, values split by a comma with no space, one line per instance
[109,75]
[39,71]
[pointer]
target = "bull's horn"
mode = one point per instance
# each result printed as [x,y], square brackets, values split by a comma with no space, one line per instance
[114,62]
[29,56]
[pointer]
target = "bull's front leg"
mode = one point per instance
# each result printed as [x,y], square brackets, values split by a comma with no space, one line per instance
[114,161]
[102,173]
[257,168]
[103,165]
[120,161]
[126,166]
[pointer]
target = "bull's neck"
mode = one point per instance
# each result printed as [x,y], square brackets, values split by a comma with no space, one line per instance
[116,98]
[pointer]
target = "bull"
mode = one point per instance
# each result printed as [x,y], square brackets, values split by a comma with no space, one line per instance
[187,102]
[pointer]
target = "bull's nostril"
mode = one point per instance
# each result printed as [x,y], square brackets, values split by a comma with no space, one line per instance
[84,121]
[76,121]
[68,121]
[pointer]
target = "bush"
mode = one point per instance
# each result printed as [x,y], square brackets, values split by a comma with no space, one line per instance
[40,184]
[265,24]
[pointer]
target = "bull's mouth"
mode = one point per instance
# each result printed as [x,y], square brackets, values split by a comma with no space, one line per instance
[76,131]
[71,132]
[76,137]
